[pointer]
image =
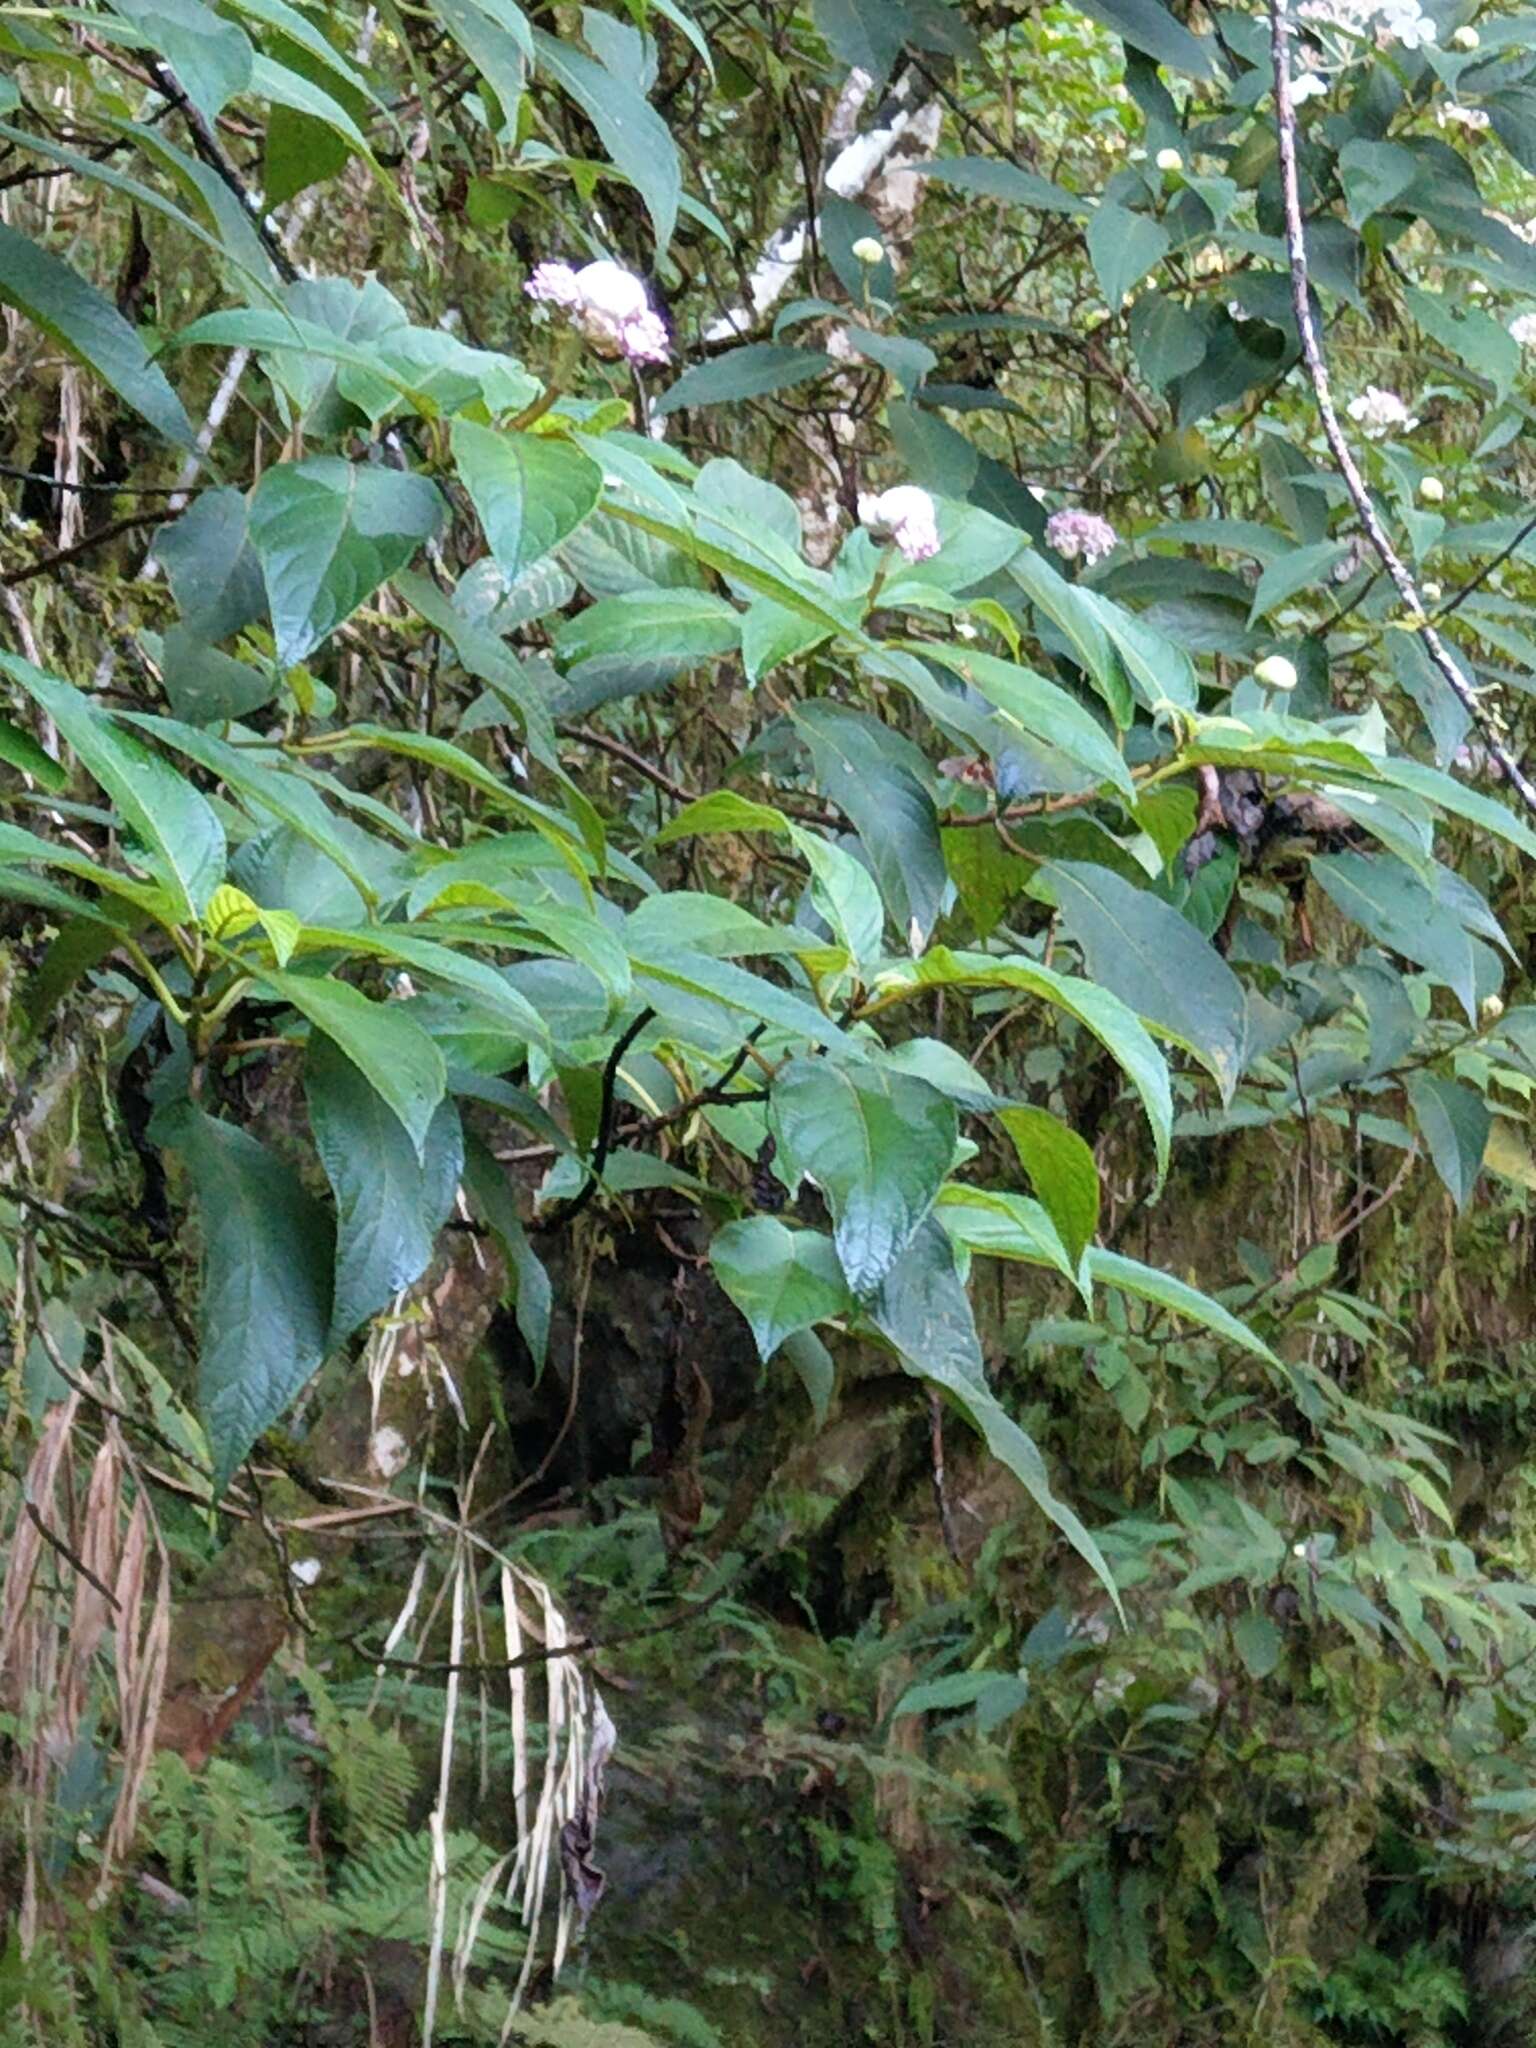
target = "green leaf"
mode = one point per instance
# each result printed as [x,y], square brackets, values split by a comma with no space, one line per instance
[1113,1269]
[782,1280]
[752,371]
[1069,610]
[266,1293]
[390,1203]
[623,644]
[1297,570]
[1062,1169]
[923,1309]
[1155,960]
[1258,1642]
[23,752]
[636,138]
[212,59]
[172,828]
[996,178]
[74,314]
[1373,174]
[994,1695]
[383,1040]
[1112,1022]
[1004,1226]
[1042,709]
[1401,912]
[1168,338]
[1149,26]
[530,490]
[814,1364]
[327,533]
[877,1144]
[1455,1123]
[876,778]
[490,1189]
[1122,247]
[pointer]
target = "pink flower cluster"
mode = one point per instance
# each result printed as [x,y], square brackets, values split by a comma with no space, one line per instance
[607,305]
[1080,536]
[905,515]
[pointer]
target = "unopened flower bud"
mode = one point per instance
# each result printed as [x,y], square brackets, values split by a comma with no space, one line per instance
[868,251]
[1169,160]
[1431,490]
[1276,673]
[1431,593]
[1465,38]
[1491,1009]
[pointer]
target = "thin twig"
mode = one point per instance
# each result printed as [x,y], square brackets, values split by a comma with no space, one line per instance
[1317,373]
[568,1211]
[46,563]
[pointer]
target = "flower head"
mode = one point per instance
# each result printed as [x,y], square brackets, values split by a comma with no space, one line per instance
[868,251]
[1389,21]
[906,516]
[1276,673]
[1080,536]
[1452,116]
[607,304]
[1169,160]
[1379,412]
[1431,490]
[1466,37]
[1307,86]
[1523,328]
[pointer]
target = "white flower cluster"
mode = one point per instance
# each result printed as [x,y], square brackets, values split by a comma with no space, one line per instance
[1523,328]
[607,305]
[1080,536]
[1452,116]
[1380,412]
[1389,21]
[1308,86]
[905,516]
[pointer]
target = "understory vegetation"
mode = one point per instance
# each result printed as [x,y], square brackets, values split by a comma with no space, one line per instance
[767,888]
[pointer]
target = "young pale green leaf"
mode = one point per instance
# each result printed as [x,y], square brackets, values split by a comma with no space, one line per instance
[1062,1170]
[817,1371]
[1155,960]
[530,490]
[877,1144]
[390,1201]
[382,1040]
[73,313]
[327,533]
[266,1294]
[999,1225]
[1455,1123]
[173,828]
[782,1280]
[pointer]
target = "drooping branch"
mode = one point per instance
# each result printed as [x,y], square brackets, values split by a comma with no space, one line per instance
[1312,357]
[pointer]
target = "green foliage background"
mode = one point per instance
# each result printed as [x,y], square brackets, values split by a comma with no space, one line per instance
[1060,1092]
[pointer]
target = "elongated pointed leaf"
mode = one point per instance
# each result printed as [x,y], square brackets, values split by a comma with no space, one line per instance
[383,1040]
[390,1202]
[782,1280]
[173,828]
[529,490]
[877,1144]
[77,316]
[327,533]
[266,1294]
[924,1310]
